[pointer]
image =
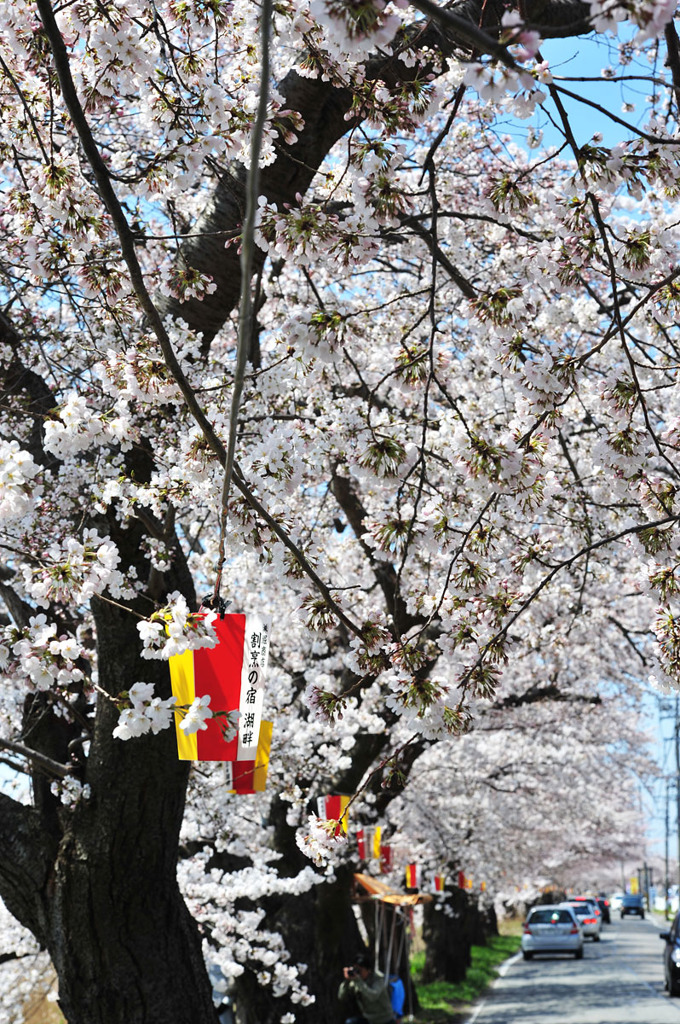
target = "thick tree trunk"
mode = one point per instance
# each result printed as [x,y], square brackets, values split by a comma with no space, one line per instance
[488,921]
[447,943]
[96,883]
[319,927]
[122,941]
[450,928]
[320,930]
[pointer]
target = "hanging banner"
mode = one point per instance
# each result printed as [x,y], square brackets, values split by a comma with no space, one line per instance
[634,886]
[251,776]
[482,886]
[377,834]
[468,882]
[361,844]
[461,880]
[412,876]
[439,883]
[385,859]
[232,675]
[333,807]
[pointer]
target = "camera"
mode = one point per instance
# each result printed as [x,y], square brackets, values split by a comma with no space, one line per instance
[351,972]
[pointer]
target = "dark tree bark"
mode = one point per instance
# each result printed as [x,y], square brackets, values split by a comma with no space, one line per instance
[121,939]
[96,884]
[447,942]
[488,920]
[450,928]
[321,931]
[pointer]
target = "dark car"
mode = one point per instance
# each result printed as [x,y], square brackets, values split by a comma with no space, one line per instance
[632,905]
[603,904]
[671,958]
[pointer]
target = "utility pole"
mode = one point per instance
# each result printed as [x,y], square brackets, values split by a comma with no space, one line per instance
[666,901]
[649,871]
[677,780]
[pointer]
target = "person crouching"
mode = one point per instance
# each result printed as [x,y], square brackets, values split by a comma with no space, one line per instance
[370,991]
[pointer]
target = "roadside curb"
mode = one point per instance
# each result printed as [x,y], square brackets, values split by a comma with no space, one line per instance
[503,968]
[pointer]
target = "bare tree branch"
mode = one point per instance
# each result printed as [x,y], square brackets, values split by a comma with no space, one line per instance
[46,763]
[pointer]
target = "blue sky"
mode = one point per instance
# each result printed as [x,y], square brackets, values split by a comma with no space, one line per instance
[586,57]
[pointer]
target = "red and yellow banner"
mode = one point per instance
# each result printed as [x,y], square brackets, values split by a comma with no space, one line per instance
[232,675]
[439,881]
[412,876]
[368,842]
[334,807]
[251,776]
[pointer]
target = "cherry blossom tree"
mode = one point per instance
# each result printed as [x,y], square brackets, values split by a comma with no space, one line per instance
[300,312]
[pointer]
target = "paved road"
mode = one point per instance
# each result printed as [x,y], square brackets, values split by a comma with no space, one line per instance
[619,981]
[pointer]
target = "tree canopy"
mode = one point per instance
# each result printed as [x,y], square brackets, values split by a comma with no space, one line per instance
[341,312]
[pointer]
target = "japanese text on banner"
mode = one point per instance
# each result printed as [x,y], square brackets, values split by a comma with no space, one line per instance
[255,653]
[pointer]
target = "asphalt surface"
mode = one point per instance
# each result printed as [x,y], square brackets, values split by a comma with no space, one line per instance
[619,981]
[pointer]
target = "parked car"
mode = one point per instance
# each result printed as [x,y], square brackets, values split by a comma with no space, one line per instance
[591,901]
[552,929]
[632,904]
[671,958]
[588,917]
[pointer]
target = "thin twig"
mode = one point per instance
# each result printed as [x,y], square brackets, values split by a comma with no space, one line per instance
[565,564]
[656,140]
[286,540]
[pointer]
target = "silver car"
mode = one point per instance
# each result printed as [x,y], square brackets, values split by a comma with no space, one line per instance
[588,916]
[552,929]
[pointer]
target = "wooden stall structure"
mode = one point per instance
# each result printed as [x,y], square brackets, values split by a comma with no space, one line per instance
[392,927]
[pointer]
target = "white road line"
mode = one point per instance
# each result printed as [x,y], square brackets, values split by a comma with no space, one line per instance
[502,971]
[507,964]
[611,942]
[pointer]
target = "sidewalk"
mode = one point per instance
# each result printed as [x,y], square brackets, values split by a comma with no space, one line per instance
[660,921]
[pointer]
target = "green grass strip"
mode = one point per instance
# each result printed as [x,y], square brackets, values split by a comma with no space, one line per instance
[441,1000]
